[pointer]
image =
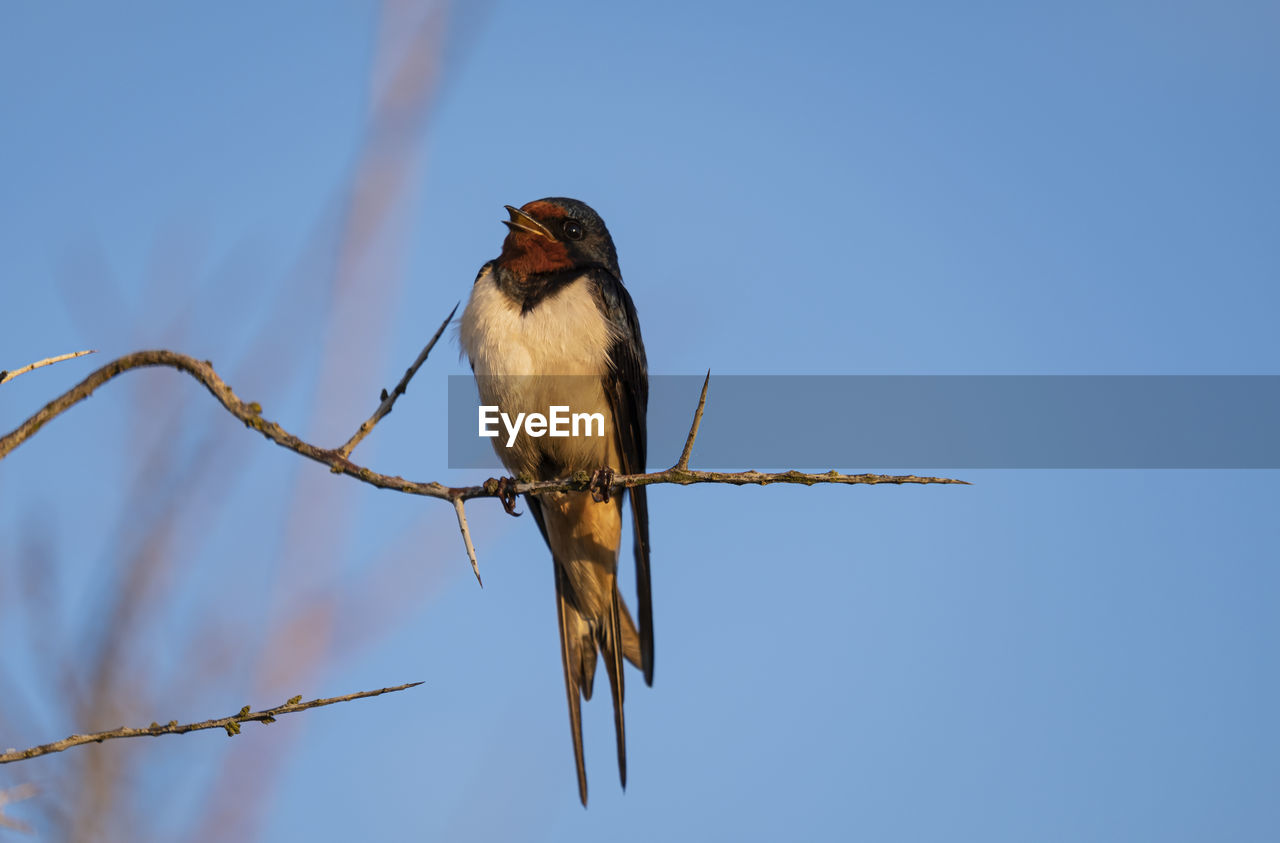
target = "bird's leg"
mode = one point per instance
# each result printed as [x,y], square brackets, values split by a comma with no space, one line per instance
[502,488]
[601,484]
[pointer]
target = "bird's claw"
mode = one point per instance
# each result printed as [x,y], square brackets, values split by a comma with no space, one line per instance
[501,487]
[601,484]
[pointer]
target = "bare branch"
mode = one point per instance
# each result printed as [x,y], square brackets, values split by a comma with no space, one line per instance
[251,415]
[6,375]
[231,724]
[389,399]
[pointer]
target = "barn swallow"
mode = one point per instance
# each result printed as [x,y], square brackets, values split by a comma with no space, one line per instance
[549,322]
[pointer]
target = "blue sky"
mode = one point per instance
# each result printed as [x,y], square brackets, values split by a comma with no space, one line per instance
[814,188]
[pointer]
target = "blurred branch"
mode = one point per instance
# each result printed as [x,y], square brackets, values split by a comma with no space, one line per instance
[15,794]
[139,645]
[231,724]
[6,375]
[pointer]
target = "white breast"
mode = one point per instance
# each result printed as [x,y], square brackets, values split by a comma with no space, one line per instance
[564,335]
[555,354]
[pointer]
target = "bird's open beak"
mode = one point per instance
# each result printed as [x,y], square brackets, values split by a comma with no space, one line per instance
[520,221]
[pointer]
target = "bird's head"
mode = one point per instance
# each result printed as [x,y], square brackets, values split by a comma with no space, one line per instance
[553,236]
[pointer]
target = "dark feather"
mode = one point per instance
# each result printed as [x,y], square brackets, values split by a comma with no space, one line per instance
[627,386]
[570,658]
[613,664]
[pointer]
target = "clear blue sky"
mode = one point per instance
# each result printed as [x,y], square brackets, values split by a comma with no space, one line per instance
[802,188]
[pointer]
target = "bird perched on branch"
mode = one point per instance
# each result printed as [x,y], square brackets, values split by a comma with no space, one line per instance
[549,323]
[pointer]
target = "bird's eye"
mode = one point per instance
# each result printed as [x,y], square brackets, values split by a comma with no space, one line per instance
[573,229]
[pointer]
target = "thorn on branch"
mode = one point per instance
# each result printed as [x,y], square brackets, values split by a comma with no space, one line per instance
[466,538]
[683,463]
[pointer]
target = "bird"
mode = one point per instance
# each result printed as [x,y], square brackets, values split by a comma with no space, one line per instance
[549,322]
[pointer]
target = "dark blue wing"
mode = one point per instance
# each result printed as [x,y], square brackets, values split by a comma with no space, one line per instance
[627,387]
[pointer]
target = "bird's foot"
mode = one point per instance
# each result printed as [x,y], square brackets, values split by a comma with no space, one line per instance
[502,488]
[601,487]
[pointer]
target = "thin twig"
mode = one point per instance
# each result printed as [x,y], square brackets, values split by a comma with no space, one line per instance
[683,462]
[231,724]
[6,375]
[466,537]
[389,398]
